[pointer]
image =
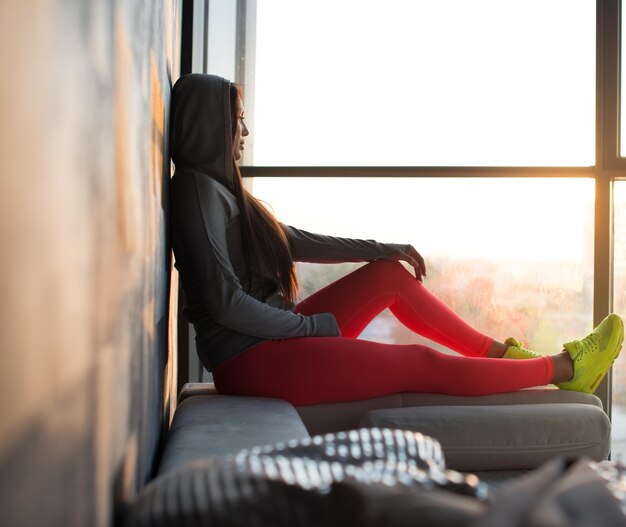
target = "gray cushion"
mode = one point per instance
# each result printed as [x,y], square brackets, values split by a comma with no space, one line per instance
[211,425]
[504,437]
[324,418]
[537,395]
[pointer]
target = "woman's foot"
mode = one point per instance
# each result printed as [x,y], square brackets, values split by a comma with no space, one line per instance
[592,356]
[515,350]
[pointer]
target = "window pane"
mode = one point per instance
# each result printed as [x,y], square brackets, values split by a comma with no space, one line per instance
[618,434]
[499,252]
[417,82]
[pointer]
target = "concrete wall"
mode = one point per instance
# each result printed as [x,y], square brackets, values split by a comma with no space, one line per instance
[86,337]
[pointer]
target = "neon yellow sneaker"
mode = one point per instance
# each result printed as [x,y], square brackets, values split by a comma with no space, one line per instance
[594,355]
[515,350]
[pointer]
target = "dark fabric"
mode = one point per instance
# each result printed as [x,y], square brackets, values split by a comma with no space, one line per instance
[558,494]
[200,126]
[555,495]
[293,484]
[206,237]
[357,504]
[368,478]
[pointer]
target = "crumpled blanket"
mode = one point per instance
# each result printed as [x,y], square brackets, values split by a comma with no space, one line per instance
[560,493]
[373,477]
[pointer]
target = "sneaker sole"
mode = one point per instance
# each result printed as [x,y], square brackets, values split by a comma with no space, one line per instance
[603,368]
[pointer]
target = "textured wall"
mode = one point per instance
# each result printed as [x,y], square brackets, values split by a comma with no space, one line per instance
[87,371]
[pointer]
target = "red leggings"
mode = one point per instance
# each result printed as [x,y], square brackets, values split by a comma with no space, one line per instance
[314,370]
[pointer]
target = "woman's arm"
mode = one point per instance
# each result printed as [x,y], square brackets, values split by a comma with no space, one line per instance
[201,209]
[320,248]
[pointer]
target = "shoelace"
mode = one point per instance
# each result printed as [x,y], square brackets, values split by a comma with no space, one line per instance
[593,344]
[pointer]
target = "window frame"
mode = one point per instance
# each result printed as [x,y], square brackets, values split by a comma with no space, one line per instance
[609,166]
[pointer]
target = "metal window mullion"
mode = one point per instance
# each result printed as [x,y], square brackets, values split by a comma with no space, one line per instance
[194,34]
[198,37]
[603,266]
[478,172]
[205,37]
[608,84]
[607,159]
[240,43]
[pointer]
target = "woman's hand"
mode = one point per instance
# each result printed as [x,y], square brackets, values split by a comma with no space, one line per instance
[406,253]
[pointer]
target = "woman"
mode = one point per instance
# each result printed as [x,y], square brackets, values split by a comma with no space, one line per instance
[236,265]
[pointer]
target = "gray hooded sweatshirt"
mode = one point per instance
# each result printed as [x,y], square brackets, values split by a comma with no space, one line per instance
[207,241]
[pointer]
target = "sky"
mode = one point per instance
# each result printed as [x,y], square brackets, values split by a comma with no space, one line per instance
[413,82]
[420,82]
[495,219]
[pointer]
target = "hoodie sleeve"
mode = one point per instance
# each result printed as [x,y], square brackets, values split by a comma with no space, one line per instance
[319,248]
[202,217]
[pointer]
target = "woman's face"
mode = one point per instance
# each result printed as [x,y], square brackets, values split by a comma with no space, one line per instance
[240,132]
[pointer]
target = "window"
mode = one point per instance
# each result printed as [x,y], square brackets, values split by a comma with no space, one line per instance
[523,271]
[423,83]
[418,83]
[420,89]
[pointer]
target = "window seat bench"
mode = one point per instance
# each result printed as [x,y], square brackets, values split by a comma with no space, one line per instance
[506,432]
[496,437]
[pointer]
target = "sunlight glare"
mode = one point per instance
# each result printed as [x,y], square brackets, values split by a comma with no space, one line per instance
[494,219]
[417,82]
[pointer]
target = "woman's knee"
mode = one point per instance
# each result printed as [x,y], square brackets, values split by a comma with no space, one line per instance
[389,269]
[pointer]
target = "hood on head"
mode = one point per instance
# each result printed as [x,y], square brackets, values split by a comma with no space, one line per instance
[200,126]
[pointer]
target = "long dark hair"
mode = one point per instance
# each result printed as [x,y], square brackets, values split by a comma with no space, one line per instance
[265,243]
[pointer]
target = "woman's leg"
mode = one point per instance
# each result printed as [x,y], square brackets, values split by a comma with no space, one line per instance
[315,370]
[358,297]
